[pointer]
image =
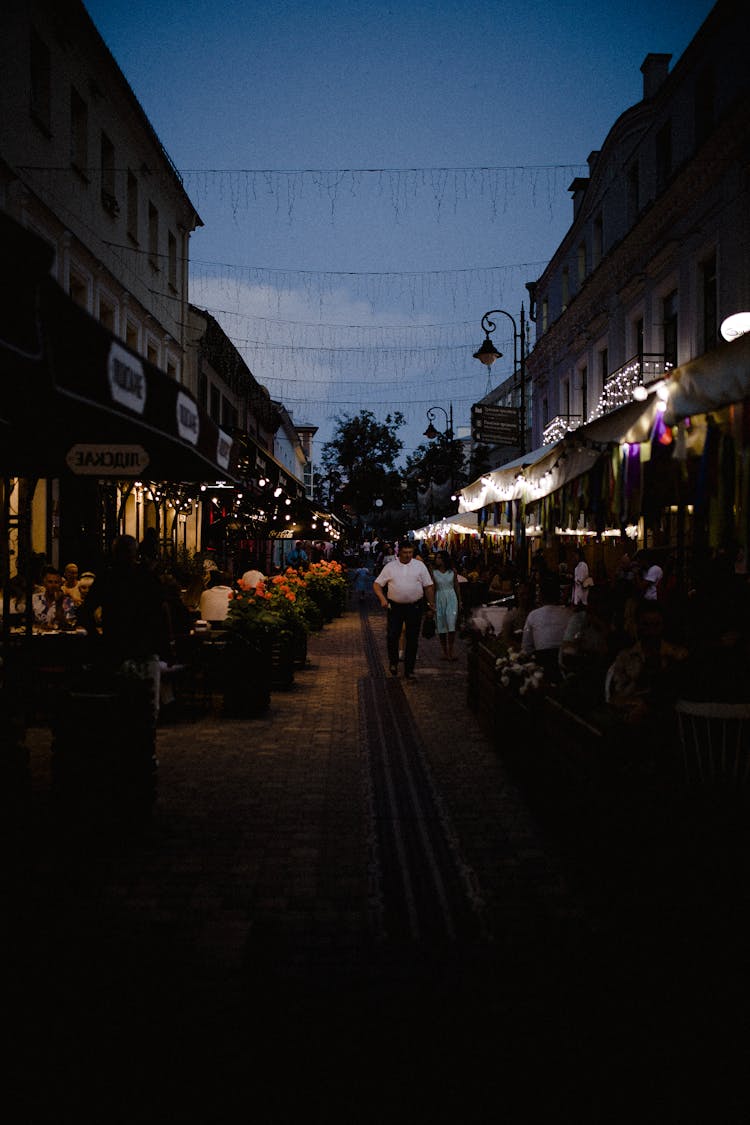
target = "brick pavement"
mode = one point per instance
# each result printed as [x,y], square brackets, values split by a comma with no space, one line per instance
[234,929]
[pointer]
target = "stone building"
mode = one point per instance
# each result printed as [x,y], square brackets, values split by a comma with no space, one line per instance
[658,253]
[82,168]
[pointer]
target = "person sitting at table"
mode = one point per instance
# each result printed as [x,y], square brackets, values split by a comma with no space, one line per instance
[587,649]
[180,617]
[214,604]
[135,628]
[70,585]
[85,582]
[643,680]
[252,575]
[511,628]
[51,608]
[545,626]
[297,557]
[496,587]
[16,596]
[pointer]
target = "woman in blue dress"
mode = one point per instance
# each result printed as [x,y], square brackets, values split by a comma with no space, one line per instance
[447,602]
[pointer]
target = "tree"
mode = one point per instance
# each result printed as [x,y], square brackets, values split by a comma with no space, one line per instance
[360,461]
[436,468]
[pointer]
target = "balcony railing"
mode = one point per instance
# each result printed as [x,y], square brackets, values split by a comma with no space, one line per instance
[641,370]
[558,426]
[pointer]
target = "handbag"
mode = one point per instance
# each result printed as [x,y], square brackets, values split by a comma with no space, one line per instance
[428,626]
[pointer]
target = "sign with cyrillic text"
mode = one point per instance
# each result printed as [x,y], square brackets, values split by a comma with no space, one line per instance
[188,419]
[107,460]
[127,379]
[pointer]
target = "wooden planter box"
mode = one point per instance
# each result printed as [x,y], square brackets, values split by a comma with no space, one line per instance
[282,662]
[299,646]
[244,674]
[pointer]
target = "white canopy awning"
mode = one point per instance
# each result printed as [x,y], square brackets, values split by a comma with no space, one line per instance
[712,381]
[463,524]
[541,472]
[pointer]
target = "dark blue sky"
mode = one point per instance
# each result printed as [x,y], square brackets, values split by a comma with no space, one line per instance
[366,289]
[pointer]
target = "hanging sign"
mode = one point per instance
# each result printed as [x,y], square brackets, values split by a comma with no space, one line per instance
[107,460]
[127,379]
[223,450]
[188,419]
[495,425]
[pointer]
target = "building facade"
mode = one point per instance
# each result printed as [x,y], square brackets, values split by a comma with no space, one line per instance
[82,168]
[658,253]
[81,165]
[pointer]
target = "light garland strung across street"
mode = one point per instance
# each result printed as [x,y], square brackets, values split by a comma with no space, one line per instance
[400,189]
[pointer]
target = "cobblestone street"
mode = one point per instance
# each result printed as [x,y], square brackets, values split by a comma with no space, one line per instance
[245,942]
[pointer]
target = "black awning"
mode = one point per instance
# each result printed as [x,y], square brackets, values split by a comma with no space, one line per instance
[73,397]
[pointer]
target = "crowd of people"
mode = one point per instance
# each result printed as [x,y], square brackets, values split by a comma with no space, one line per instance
[141,611]
[632,639]
[630,642]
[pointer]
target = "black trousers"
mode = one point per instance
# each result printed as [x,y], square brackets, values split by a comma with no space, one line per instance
[400,614]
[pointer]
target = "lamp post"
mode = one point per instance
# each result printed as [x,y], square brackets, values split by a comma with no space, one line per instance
[488,353]
[431,433]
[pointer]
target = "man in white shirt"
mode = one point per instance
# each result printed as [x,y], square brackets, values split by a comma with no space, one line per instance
[545,627]
[252,575]
[409,582]
[652,576]
[580,581]
[214,604]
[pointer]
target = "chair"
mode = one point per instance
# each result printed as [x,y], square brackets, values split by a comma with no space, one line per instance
[715,742]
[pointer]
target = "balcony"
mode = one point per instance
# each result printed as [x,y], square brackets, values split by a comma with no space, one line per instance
[640,371]
[558,426]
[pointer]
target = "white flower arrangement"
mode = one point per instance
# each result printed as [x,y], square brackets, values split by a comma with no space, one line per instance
[519,673]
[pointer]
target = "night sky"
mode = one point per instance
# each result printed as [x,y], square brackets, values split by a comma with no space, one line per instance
[373,177]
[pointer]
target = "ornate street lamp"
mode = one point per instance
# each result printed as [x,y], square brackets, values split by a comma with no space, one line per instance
[431,433]
[487,353]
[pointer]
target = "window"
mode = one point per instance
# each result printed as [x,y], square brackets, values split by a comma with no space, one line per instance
[581,263]
[203,389]
[709,319]
[634,192]
[131,335]
[79,132]
[132,206]
[152,353]
[109,200]
[214,408]
[153,236]
[545,314]
[663,155]
[638,338]
[228,414]
[565,287]
[583,373]
[603,365]
[172,369]
[565,397]
[172,259]
[107,313]
[598,247]
[78,287]
[41,83]
[705,104]
[670,311]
